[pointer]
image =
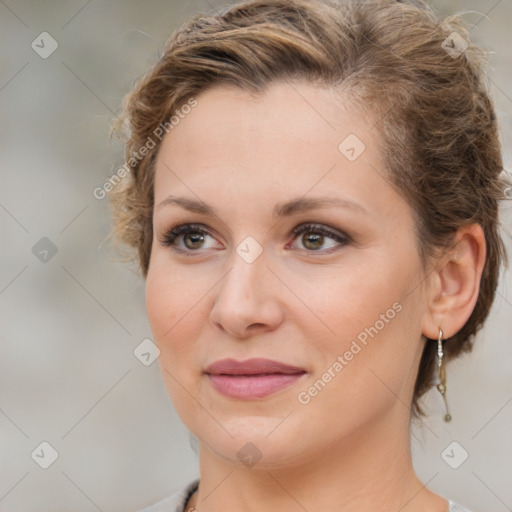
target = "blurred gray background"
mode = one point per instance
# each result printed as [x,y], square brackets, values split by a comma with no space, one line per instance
[71,317]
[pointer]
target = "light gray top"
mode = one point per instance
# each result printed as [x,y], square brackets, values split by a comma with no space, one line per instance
[177,501]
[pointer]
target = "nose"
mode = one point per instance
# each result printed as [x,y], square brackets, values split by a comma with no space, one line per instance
[247,300]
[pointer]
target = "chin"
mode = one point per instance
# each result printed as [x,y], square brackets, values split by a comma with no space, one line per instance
[256,452]
[257,442]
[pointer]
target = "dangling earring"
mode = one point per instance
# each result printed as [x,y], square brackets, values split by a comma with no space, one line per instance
[441,373]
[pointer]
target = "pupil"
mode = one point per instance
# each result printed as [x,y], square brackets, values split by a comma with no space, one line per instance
[316,239]
[195,238]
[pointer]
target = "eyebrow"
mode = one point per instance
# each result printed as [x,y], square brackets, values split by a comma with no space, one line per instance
[285,209]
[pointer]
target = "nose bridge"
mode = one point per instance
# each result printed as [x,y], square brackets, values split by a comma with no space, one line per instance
[244,297]
[246,276]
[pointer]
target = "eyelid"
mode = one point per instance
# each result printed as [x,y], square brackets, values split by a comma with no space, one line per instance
[321,228]
[170,235]
[340,237]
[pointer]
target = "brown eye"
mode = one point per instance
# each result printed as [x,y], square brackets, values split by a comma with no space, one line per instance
[318,238]
[313,241]
[193,240]
[188,238]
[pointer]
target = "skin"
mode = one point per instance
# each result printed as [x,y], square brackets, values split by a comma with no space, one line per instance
[348,448]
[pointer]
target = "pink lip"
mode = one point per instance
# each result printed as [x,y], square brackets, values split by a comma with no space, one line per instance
[253,378]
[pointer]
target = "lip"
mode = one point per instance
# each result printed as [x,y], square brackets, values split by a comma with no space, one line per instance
[252,378]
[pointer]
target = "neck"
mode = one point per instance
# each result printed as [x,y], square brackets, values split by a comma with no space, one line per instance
[361,472]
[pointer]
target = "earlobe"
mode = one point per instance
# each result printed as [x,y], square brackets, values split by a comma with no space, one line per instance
[456,283]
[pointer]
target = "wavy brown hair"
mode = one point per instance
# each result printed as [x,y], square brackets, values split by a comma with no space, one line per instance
[432,109]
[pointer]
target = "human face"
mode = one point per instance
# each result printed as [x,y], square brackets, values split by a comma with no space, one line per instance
[352,297]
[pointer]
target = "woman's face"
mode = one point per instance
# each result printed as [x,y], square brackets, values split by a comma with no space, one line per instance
[300,252]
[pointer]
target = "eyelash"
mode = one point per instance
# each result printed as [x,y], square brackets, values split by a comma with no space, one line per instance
[184,229]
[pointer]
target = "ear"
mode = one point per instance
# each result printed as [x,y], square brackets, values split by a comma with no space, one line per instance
[455,283]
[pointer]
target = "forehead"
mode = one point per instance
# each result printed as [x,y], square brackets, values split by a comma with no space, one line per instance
[289,139]
[302,110]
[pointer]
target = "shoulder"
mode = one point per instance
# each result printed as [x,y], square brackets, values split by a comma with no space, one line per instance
[176,502]
[455,507]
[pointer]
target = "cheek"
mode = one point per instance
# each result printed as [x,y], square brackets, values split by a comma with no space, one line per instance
[171,305]
[374,324]
[172,309]
[349,299]
[161,304]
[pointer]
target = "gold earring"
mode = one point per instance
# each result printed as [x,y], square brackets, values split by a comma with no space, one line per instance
[441,373]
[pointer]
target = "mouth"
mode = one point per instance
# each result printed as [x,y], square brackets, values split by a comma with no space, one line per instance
[252,378]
